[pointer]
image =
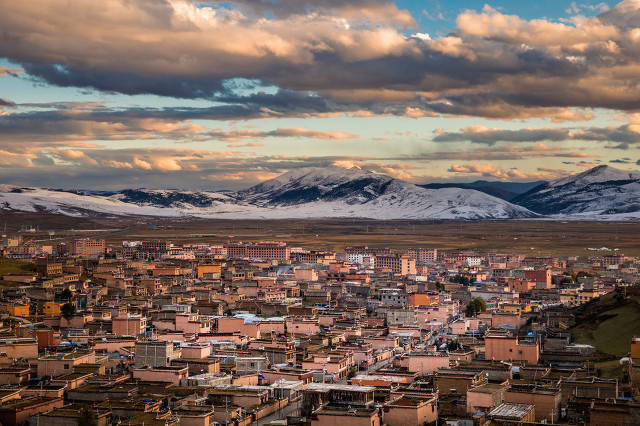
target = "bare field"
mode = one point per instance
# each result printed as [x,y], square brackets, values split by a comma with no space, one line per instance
[530,237]
[535,237]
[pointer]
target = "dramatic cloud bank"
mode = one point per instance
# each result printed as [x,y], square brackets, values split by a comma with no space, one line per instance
[245,61]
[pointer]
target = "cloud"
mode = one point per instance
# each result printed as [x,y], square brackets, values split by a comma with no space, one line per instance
[625,134]
[493,171]
[71,124]
[9,71]
[485,135]
[511,152]
[351,56]
[376,11]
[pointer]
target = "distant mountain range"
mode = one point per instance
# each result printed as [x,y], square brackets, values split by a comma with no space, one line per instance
[504,190]
[599,193]
[332,192]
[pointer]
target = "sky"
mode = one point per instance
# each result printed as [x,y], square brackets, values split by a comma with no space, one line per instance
[222,95]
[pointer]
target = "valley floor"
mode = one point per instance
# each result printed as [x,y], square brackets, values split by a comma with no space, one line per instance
[553,238]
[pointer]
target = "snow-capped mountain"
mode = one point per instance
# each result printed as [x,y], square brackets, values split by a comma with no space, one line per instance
[602,192]
[303,193]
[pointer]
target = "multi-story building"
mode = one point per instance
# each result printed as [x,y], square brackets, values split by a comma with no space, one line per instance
[155,353]
[155,246]
[399,264]
[87,247]
[129,325]
[266,250]
[423,255]
[358,254]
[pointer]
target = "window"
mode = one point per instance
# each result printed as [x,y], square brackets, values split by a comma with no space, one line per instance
[66,366]
[510,350]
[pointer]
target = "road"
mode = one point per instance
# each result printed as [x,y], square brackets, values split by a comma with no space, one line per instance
[288,410]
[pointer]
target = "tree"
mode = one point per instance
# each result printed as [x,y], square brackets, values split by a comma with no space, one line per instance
[66,294]
[87,418]
[475,306]
[452,346]
[68,310]
[352,373]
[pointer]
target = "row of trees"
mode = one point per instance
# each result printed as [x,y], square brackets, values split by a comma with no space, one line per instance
[461,279]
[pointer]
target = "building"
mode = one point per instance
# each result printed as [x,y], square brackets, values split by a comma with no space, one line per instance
[485,398]
[410,410]
[318,395]
[423,255]
[87,247]
[267,250]
[508,348]
[171,375]
[60,364]
[510,412]
[129,326]
[399,264]
[155,246]
[547,400]
[448,380]
[154,353]
[358,254]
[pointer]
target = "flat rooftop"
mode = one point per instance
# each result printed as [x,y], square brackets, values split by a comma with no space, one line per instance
[511,411]
[325,387]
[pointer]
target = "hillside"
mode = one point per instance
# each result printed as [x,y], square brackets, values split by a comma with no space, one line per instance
[13,267]
[327,192]
[609,322]
[602,192]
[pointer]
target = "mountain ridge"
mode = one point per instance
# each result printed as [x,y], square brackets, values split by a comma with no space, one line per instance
[599,192]
[308,192]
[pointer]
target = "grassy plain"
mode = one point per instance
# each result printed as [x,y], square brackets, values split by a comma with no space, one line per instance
[530,237]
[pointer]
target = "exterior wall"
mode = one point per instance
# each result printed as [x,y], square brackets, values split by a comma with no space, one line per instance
[306,274]
[196,352]
[484,401]
[326,419]
[303,327]
[14,350]
[446,384]
[501,319]
[52,308]
[635,347]
[266,327]
[404,416]
[10,416]
[87,247]
[52,366]
[509,349]
[231,325]
[424,364]
[547,404]
[188,419]
[17,310]
[129,326]
[172,376]
[154,354]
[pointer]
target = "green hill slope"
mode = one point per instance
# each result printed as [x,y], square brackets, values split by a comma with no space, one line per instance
[609,322]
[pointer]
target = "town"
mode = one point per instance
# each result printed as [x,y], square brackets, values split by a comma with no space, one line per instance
[266,333]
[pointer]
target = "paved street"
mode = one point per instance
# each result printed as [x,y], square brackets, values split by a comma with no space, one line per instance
[288,410]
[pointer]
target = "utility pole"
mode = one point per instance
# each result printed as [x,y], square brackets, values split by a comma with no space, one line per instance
[226,411]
